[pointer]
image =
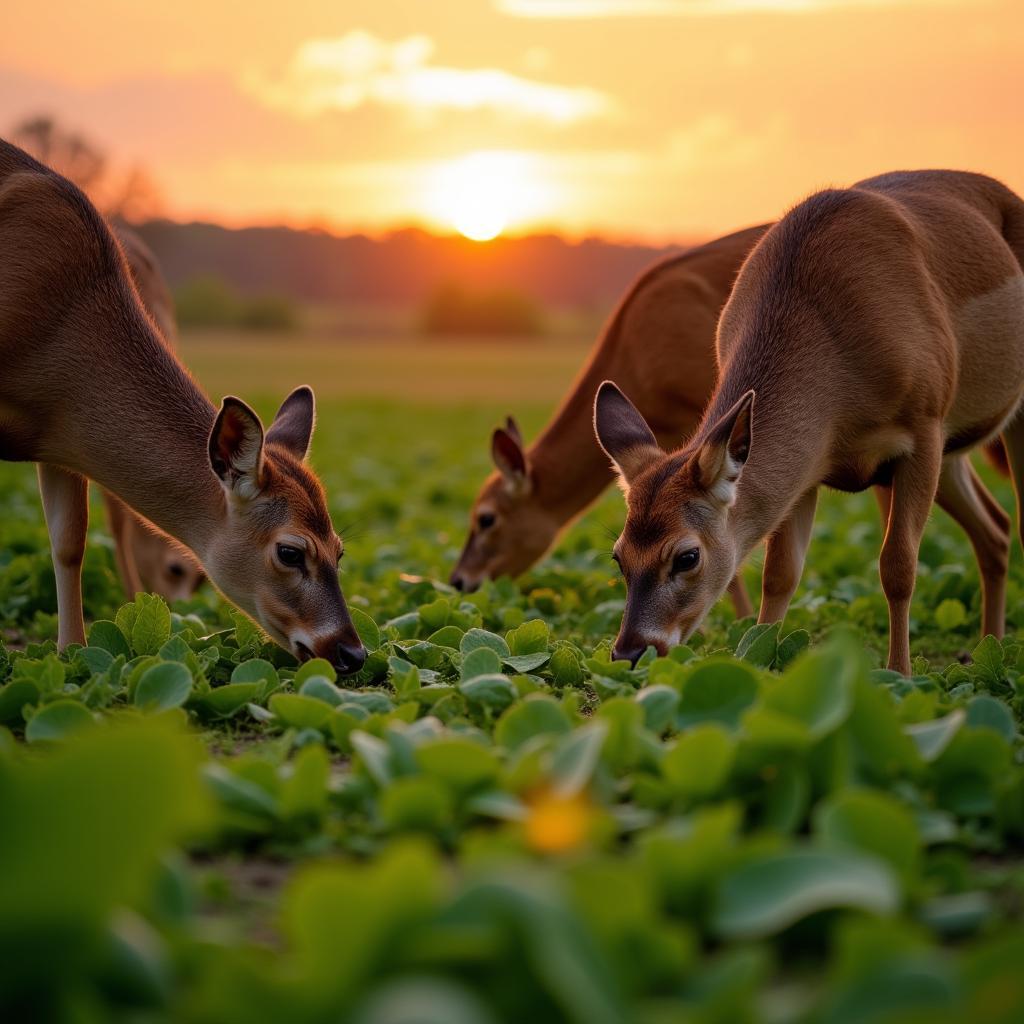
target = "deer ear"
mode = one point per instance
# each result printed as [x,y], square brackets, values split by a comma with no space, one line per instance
[623,433]
[721,457]
[293,425]
[236,448]
[509,457]
[513,430]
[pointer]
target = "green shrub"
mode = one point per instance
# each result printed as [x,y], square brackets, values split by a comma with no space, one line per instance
[453,309]
[211,302]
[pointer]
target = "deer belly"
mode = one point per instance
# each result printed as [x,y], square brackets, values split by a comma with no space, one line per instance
[990,339]
[867,460]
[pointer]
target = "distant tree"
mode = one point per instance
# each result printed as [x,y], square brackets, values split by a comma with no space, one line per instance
[209,301]
[453,309]
[127,194]
[269,313]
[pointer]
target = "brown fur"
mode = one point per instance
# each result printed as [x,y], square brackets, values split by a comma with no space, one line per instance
[147,559]
[660,344]
[881,328]
[91,392]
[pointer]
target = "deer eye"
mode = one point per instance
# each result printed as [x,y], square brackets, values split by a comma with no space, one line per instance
[291,556]
[485,520]
[685,561]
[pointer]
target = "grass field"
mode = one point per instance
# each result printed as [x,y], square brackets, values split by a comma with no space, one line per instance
[494,822]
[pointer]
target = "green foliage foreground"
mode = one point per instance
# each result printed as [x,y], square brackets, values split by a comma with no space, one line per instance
[496,827]
[493,822]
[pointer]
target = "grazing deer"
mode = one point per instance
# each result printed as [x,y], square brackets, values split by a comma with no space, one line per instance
[660,344]
[91,392]
[873,334]
[147,559]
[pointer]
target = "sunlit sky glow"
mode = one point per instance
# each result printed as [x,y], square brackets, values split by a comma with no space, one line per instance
[660,119]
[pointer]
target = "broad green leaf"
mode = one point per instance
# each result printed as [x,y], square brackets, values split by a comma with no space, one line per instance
[225,700]
[932,738]
[423,1000]
[538,715]
[531,637]
[575,758]
[770,892]
[759,644]
[167,684]
[107,636]
[14,696]
[698,765]
[717,690]
[238,793]
[988,659]
[988,712]
[374,755]
[950,614]
[660,704]
[366,628]
[417,804]
[482,661]
[874,823]
[476,638]
[314,667]
[818,690]
[494,692]
[58,720]
[565,667]
[321,688]
[459,763]
[152,624]
[526,662]
[300,712]
[256,670]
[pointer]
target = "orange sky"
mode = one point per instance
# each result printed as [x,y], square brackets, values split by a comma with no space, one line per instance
[650,118]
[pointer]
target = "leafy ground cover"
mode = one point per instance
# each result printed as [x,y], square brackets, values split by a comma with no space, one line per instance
[493,822]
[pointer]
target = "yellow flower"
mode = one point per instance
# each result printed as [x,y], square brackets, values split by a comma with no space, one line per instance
[556,823]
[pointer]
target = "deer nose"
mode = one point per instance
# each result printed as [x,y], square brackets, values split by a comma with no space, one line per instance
[350,658]
[457,581]
[631,652]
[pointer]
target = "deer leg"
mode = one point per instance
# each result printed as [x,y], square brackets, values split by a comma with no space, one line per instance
[1013,442]
[785,552]
[989,538]
[915,480]
[740,597]
[119,520]
[66,507]
[994,509]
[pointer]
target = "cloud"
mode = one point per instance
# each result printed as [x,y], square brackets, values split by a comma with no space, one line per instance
[683,8]
[359,69]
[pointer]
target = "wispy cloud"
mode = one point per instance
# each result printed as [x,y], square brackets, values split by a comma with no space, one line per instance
[359,68]
[683,8]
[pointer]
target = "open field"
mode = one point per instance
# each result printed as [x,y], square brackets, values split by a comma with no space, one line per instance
[493,822]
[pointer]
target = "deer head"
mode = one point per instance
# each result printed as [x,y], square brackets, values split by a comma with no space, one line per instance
[676,551]
[508,529]
[276,554]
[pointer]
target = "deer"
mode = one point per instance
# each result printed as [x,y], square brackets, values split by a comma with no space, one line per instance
[90,391]
[660,344]
[148,560]
[874,335]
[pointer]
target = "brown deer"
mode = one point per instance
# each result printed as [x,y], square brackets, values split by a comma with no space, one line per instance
[91,392]
[660,344]
[874,334]
[147,559]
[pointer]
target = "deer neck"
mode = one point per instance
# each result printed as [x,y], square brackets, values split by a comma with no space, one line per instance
[569,468]
[782,467]
[139,426]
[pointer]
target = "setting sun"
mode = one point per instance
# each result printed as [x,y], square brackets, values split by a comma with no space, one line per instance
[482,194]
